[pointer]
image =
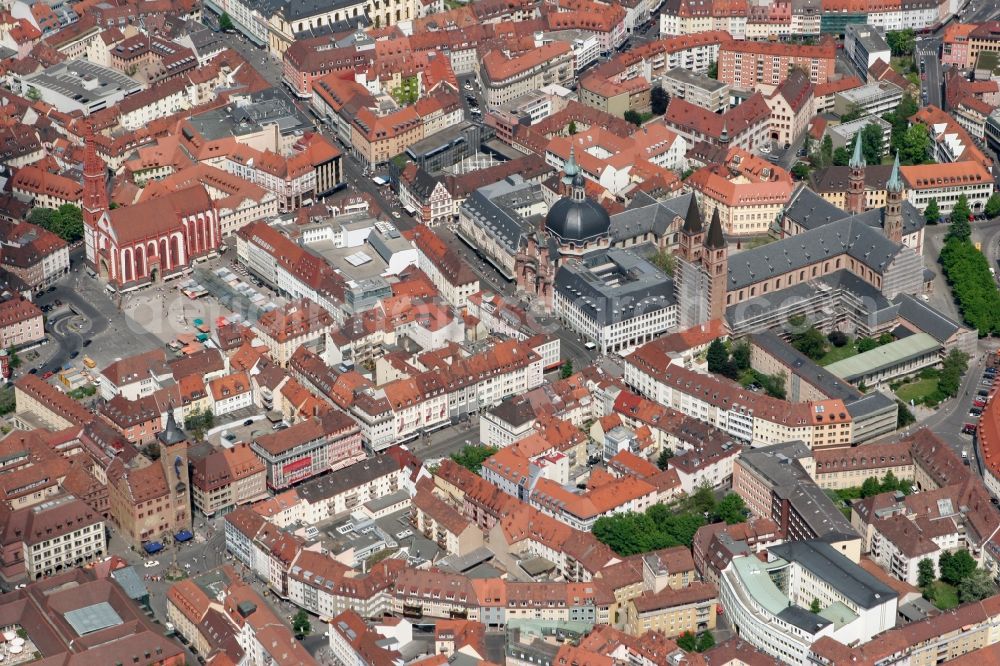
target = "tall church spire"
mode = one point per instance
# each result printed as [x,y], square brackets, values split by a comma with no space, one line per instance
[895,183]
[856,197]
[692,222]
[858,159]
[715,240]
[892,221]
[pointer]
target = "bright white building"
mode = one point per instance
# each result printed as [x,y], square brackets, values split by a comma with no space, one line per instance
[768,603]
[615,299]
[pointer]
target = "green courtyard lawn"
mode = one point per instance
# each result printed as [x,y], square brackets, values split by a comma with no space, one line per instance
[942,595]
[835,354]
[917,390]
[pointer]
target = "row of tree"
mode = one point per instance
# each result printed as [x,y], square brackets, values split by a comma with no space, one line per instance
[972,284]
[873,486]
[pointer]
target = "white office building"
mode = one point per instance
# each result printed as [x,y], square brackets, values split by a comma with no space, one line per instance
[769,603]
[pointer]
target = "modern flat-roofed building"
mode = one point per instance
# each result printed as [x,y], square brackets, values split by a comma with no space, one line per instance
[696,88]
[768,603]
[80,85]
[865,46]
[873,98]
[843,134]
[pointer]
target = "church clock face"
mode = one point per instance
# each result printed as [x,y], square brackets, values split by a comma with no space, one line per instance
[177,466]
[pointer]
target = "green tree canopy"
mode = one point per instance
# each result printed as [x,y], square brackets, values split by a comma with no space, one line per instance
[300,624]
[914,146]
[992,207]
[65,221]
[731,510]
[741,355]
[872,144]
[800,171]
[904,416]
[633,117]
[957,567]
[901,42]
[953,367]
[853,113]
[706,641]
[226,23]
[972,285]
[472,456]
[841,156]
[870,487]
[810,342]
[932,213]
[976,586]
[925,572]
[566,369]
[198,422]
[717,355]
[815,607]
[664,460]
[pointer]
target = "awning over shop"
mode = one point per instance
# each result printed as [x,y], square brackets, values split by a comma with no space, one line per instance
[183,536]
[152,547]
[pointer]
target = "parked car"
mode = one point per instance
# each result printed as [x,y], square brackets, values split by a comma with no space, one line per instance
[978,403]
[248,422]
[47,374]
[983,392]
[975,412]
[151,563]
[968,428]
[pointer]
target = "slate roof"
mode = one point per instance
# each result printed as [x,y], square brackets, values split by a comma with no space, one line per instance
[504,224]
[810,211]
[913,219]
[869,403]
[792,482]
[840,573]
[851,236]
[422,184]
[645,287]
[646,215]
[803,619]
[926,318]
